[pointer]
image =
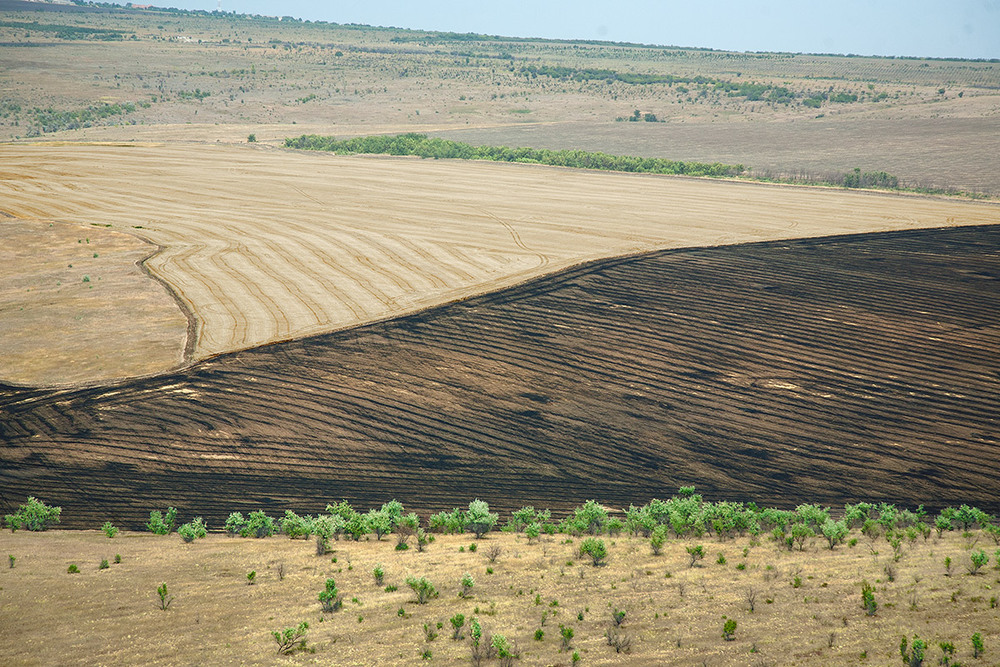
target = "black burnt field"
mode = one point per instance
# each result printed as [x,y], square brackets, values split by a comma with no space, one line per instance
[822,370]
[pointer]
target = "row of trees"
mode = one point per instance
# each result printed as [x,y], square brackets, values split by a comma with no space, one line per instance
[423,146]
[686,514]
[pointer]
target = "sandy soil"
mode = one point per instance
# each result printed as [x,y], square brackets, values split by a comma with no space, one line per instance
[265,245]
[674,613]
[76,306]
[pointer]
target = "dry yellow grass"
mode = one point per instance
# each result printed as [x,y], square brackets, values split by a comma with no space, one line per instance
[112,616]
[263,245]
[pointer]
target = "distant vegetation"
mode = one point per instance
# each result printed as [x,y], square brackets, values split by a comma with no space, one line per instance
[423,146]
[68,31]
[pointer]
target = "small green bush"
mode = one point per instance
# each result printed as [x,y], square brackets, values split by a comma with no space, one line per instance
[594,548]
[160,523]
[422,588]
[467,584]
[104,564]
[251,577]
[165,597]
[259,525]
[379,573]
[696,553]
[539,635]
[329,597]
[868,599]
[729,630]
[109,529]
[73,569]
[977,645]
[457,623]
[34,515]
[190,532]
[290,640]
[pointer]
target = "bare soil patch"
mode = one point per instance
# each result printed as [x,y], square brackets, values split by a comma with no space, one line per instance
[76,308]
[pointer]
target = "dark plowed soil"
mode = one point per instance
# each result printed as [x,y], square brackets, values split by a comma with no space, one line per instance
[823,370]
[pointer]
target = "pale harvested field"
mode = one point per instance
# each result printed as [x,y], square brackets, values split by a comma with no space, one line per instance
[265,245]
[674,613]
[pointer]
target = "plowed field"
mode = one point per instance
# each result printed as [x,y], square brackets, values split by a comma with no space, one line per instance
[262,246]
[820,370]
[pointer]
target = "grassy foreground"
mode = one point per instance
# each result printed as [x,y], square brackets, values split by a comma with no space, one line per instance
[553,606]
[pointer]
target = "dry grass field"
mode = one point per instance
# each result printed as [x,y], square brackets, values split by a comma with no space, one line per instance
[674,613]
[262,245]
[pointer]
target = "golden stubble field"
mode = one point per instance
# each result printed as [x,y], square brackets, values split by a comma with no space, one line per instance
[674,613]
[259,245]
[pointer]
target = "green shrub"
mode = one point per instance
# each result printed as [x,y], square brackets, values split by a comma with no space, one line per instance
[251,577]
[913,655]
[290,640]
[977,560]
[295,526]
[190,532]
[258,525]
[33,515]
[235,524]
[165,597]
[457,623]
[657,539]
[11,559]
[467,584]
[566,632]
[118,558]
[252,138]
[379,573]
[594,548]
[162,524]
[479,519]
[532,531]
[868,599]
[423,589]
[329,597]
[539,635]
[104,564]
[73,569]
[109,529]
[977,645]
[729,630]
[696,553]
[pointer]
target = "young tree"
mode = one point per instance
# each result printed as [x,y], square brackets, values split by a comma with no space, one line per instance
[34,515]
[594,548]
[162,524]
[423,589]
[290,640]
[329,597]
[479,519]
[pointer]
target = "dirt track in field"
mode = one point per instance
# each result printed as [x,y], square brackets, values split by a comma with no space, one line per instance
[820,370]
[264,245]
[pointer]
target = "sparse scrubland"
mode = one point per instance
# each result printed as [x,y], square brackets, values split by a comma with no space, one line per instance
[670,582]
[193,432]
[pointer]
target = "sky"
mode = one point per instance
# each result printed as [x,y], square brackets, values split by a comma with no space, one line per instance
[929,28]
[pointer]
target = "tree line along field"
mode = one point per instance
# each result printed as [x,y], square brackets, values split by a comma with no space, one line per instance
[205,76]
[666,583]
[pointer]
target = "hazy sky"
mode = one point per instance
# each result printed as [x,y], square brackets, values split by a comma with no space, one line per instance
[937,28]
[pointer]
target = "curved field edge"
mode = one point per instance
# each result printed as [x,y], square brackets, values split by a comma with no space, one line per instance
[822,370]
[267,245]
[77,306]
